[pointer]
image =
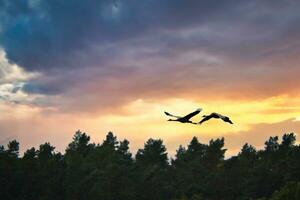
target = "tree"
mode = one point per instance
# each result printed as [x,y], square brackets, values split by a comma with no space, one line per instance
[30,175]
[13,148]
[50,163]
[76,153]
[10,174]
[272,144]
[291,191]
[107,171]
[111,177]
[154,153]
[80,144]
[288,140]
[152,165]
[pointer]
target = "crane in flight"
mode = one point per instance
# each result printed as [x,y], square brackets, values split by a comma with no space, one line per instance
[185,119]
[216,116]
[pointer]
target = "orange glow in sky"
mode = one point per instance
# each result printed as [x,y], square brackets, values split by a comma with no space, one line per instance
[119,69]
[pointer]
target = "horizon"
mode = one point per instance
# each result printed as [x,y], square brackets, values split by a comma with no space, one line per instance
[170,155]
[117,66]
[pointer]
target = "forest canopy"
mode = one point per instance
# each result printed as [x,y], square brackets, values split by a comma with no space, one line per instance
[108,171]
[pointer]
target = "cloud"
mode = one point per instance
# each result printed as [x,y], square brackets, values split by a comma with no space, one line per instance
[10,72]
[96,54]
[12,81]
[54,33]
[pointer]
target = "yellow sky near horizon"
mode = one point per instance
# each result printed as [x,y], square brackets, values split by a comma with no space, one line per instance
[139,120]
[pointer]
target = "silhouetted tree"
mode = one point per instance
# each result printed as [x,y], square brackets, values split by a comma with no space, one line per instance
[76,168]
[152,165]
[291,191]
[107,171]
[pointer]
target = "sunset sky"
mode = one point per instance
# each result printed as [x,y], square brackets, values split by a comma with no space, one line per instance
[116,65]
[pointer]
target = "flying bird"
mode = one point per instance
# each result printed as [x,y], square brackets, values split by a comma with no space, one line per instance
[185,119]
[217,116]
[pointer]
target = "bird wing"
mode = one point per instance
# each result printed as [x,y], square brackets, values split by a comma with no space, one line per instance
[172,115]
[207,117]
[189,116]
[229,121]
[217,115]
[226,119]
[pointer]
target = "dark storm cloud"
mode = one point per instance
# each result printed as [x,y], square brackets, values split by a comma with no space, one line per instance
[42,35]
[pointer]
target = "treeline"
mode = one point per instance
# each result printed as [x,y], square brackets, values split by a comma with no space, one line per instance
[108,171]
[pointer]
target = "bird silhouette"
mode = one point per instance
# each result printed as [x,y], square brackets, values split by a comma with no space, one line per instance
[185,119]
[217,116]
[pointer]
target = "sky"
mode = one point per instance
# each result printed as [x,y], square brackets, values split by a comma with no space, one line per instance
[116,65]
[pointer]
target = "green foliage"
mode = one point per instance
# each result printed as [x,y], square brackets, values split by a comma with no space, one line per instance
[291,191]
[13,148]
[154,153]
[151,167]
[107,171]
